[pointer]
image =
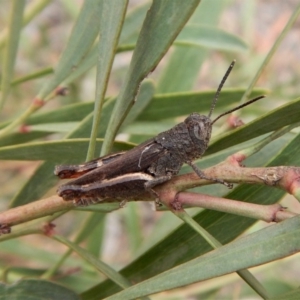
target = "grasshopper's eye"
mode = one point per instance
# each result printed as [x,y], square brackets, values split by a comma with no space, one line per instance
[199,129]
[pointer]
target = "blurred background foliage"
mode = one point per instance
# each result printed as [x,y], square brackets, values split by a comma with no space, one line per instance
[189,73]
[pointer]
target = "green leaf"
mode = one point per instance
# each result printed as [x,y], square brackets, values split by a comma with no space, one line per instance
[41,181]
[10,53]
[31,289]
[19,138]
[68,113]
[189,59]
[164,106]
[211,38]
[132,23]
[144,99]
[163,22]
[83,35]
[111,21]
[132,220]
[284,115]
[96,263]
[161,106]
[292,295]
[149,129]
[92,232]
[54,127]
[55,151]
[32,9]
[103,208]
[31,76]
[255,249]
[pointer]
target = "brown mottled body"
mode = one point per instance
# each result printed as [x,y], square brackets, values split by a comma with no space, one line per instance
[126,175]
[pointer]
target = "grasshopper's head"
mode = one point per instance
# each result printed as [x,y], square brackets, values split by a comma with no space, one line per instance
[199,128]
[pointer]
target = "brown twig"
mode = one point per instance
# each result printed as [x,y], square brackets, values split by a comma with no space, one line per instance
[268,213]
[34,210]
[283,177]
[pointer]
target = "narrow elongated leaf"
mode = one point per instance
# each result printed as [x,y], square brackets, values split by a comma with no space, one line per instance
[132,23]
[184,63]
[83,35]
[111,21]
[54,127]
[179,104]
[32,9]
[210,37]
[99,265]
[257,248]
[68,113]
[9,57]
[32,76]
[36,289]
[161,106]
[293,295]
[54,150]
[149,129]
[273,120]
[163,22]
[194,35]
[19,138]
[144,99]
[41,181]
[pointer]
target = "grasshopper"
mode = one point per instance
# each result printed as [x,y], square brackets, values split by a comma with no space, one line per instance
[127,175]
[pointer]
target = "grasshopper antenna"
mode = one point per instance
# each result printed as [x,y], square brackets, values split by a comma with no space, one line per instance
[238,107]
[220,88]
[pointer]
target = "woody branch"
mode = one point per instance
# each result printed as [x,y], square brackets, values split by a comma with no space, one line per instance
[284,177]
